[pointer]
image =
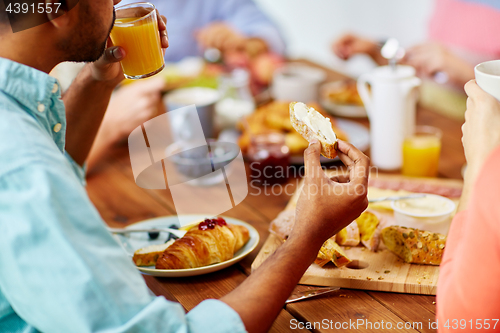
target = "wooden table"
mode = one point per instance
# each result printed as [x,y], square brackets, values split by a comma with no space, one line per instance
[121,202]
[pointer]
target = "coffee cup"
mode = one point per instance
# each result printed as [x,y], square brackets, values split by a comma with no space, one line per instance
[488,77]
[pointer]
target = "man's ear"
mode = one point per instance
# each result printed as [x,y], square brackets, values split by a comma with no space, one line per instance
[58,12]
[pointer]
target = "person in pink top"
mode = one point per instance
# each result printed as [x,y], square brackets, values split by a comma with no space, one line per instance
[468,294]
[461,34]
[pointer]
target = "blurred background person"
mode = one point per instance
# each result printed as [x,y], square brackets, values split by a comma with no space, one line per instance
[461,34]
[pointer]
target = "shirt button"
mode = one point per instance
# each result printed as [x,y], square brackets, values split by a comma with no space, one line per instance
[57,127]
[55,88]
[41,107]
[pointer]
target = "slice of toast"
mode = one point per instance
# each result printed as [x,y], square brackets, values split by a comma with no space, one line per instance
[147,256]
[349,236]
[312,125]
[331,251]
[369,229]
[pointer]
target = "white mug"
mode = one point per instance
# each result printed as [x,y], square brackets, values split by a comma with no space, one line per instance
[297,82]
[488,77]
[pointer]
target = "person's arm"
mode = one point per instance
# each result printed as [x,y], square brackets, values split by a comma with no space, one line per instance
[87,98]
[468,288]
[321,212]
[129,107]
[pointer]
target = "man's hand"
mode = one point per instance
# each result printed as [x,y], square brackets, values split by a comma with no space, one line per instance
[108,70]
[348,45]
[325,205]
[431,58]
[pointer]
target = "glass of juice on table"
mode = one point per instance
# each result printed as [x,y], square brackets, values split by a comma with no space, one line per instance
[136,31]
[421,152]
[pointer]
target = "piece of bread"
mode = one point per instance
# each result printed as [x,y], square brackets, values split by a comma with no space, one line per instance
[349,236]
[282,225]
[204,247]
[147,256]
[312,125]
[331,251]
[415,246]
[369,229]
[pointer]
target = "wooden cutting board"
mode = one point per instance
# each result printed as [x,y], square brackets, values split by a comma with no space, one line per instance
[381,270]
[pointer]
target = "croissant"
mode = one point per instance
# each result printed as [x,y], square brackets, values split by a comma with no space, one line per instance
[211,242]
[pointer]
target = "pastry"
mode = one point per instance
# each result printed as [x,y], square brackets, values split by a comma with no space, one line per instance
[211,241]
[415,246]
[312,125]
[147,256]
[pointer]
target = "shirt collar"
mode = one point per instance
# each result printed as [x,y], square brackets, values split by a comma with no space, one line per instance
[39,94]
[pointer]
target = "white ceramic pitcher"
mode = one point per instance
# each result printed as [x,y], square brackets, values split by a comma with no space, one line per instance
[390,103]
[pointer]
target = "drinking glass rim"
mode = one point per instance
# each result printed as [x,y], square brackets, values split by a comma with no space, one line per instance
[138,19]
[427,129]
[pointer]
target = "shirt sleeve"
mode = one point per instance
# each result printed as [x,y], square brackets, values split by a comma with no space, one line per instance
[246,17]
[61,271]
[468,287]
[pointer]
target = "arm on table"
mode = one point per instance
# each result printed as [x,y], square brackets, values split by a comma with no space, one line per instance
[320,214]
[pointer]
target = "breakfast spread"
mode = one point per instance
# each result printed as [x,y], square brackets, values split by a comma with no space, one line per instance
[209,242]
[313,125]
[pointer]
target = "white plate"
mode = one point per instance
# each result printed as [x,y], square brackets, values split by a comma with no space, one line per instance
[134,241]
[342,110]
[359,136]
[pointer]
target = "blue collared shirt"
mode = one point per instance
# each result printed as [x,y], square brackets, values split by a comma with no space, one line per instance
[60,270]
[186,17]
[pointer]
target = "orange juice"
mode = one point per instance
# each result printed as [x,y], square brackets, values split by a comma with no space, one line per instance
[421,155]
[141,41]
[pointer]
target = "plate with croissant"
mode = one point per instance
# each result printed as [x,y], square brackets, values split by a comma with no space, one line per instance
[209,245]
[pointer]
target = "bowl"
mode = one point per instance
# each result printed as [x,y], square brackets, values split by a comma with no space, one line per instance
[203,98]
[430,213]
[198,165]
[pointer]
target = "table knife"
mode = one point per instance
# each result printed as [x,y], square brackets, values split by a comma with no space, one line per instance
[300,295]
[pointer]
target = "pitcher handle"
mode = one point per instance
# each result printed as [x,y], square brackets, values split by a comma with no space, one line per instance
[364,93]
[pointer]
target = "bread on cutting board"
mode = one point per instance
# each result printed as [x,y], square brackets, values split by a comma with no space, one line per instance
[415,246]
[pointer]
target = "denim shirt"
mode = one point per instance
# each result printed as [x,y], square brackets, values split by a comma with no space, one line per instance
[60,270]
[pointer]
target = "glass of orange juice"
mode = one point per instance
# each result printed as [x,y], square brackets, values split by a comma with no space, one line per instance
[136,31]
[421,152]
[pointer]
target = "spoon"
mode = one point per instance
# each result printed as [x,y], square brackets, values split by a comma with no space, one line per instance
[392,51]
